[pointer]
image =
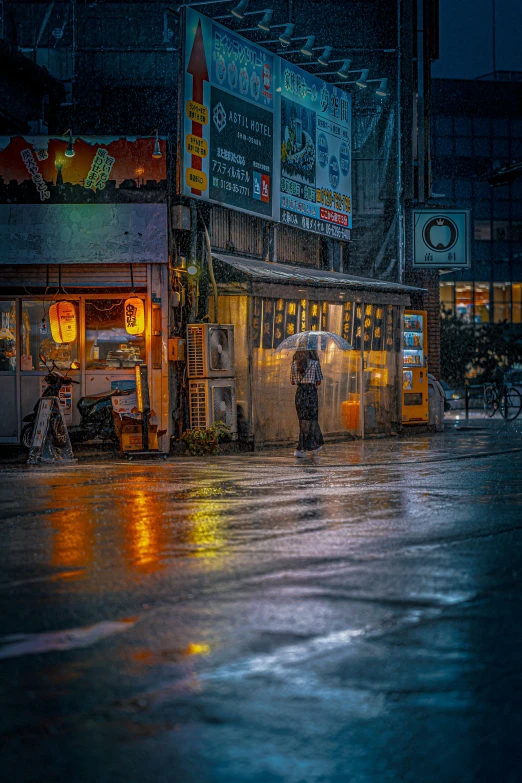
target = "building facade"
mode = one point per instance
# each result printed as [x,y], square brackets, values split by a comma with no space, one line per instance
[477,143]
[119,66]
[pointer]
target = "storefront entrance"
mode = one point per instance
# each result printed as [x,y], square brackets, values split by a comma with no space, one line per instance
[106,353]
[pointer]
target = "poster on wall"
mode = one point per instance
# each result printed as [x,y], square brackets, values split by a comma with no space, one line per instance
[228,118]
[101,169]
[261,135]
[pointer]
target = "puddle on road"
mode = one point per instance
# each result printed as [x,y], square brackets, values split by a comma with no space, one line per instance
[59,641]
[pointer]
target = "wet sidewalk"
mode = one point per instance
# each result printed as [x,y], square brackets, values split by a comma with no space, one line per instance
[477,436]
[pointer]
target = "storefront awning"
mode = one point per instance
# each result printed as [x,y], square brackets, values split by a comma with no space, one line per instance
[236,275]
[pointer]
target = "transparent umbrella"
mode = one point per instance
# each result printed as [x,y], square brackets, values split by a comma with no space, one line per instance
[313,341]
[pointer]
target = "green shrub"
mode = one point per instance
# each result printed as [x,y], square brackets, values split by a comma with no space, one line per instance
[198,443]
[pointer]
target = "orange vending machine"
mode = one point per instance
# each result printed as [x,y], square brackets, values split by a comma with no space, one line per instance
[415,368]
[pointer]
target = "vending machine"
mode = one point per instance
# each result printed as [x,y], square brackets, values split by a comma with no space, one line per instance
[415,368]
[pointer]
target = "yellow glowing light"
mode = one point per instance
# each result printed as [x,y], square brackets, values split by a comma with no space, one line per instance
[197,649]
[134,315]
[62,317]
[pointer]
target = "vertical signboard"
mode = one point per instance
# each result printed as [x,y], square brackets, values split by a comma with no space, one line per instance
[261,135]
[228,118]
[315,154]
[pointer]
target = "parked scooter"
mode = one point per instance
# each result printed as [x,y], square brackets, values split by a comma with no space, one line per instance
[95,410]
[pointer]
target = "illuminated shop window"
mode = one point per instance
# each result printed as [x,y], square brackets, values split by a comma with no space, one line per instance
[36,338]
[482,303]
[501,301]
[107,342]
[517,303]
[464,301]
[8,337]
[447,292]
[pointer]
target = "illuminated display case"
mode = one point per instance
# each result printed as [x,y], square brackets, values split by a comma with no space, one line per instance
[415,368]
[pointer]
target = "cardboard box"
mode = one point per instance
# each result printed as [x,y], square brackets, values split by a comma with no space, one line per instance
[126,405]
[131,437]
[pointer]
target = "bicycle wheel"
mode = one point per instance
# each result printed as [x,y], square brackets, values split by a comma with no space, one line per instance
[510,404]
[490,401]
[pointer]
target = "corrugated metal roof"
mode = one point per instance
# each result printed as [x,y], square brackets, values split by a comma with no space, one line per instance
[261,271]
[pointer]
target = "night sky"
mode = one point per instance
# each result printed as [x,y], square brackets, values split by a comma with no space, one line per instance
[466,38]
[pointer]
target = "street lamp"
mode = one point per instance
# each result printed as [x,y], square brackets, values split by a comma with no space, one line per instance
[69,152]
[157,151]
[285,39]
[265,22]
[363,79]
[239,10]
[324,58]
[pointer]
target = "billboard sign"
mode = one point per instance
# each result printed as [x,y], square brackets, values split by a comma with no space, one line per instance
[228,118]
[103,169]
[441,239]
[315,154]
[261,135]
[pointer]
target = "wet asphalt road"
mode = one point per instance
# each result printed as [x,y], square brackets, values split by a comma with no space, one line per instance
[254,619]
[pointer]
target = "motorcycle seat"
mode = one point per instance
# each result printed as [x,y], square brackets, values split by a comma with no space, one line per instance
[92,399]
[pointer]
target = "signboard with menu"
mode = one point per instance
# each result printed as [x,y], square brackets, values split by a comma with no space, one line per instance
[315,154]
[261,135]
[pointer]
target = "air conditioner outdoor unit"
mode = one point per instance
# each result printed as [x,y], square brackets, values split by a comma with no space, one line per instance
[210,351]
[211,401]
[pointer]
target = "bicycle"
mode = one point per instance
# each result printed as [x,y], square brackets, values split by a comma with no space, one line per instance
[505,399]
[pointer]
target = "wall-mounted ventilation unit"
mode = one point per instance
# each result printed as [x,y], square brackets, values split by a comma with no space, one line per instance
[210,351]
[213,400]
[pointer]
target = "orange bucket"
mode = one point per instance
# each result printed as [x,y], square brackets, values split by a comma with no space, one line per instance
[350,414]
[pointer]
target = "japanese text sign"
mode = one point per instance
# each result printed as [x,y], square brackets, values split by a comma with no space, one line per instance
[441,239]
[261,135]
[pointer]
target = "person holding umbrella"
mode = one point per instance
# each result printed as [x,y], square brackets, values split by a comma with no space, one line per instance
[306,374]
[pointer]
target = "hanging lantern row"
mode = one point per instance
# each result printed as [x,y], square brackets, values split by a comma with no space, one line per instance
[134,315]
[62,317]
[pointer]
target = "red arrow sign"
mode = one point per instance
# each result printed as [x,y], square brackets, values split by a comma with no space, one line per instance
[197,67]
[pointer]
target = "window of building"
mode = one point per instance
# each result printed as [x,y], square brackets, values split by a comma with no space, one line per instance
[481,126]
[8,337]
[463,146]
[462,126]
[107,343]
[517,303]
[447,302]
[481,303]
[462,189]
[444,145]
[500,127]
[482,209]
[464,301]
[501,301]
[444,126]
[482,230]
[501,149]
[482,147]
[481,190]
[36,338]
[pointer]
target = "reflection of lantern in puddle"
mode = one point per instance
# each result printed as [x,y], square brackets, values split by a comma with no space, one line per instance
[206,528]
[143,533]
[73,540]
[62,317]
